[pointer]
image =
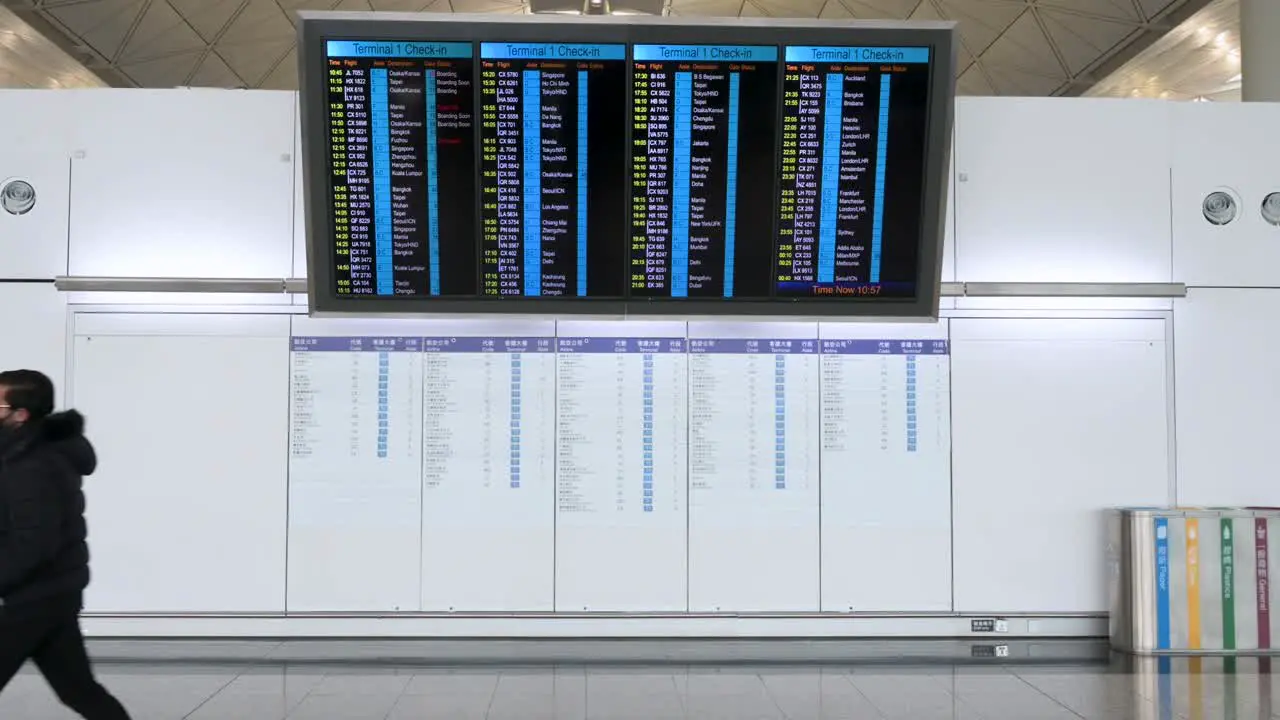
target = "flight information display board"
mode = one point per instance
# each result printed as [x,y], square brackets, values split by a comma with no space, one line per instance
[624,166]
[402,159]
[853,120]
[701,143]
[552,139]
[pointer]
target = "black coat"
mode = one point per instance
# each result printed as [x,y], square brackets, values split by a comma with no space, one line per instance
[43,553]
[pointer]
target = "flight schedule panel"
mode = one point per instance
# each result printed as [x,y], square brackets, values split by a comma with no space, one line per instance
[402,167]
[854,125]
[703,132]
[552,169]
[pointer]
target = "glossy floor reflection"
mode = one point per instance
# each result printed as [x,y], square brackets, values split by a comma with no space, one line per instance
[886,681]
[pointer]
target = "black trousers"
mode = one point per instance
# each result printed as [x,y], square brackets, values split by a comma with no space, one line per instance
[50,637]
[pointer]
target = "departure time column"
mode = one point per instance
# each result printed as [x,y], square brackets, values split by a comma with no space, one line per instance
[651,177]
[802,166]
[356,170]
[341,192]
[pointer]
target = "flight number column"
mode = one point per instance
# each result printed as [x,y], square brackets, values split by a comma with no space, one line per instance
[338,163]
[802,174]
[354,176]
[503,168]
[652,167]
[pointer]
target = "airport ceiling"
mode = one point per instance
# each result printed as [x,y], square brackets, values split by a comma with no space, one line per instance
[1008,47]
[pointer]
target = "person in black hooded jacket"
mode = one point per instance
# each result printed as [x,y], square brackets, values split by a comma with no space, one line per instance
[44,557]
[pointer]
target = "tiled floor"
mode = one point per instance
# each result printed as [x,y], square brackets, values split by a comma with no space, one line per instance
[343,681]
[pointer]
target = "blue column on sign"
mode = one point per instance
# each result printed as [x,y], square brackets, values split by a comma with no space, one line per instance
[515,419]
[829,200]
[532,92]
[882,152]
[384,412]
[647,433]
[682,147]
[583,153]
[912,426]
[731,187]
[433,185]
[780,421]
[380,134]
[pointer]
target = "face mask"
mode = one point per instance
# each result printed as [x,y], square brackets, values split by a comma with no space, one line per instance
[8,436]
[8,430]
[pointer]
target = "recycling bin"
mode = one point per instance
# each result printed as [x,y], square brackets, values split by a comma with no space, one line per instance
[1193,580]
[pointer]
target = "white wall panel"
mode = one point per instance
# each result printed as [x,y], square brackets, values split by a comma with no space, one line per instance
[191,183]
[1056,190]
[299,205]
[1229,147]
[33,331]
[43,121]
[189,414]
[1053,421]
[949,239]
[37,145]
[33,237]
[1226,352]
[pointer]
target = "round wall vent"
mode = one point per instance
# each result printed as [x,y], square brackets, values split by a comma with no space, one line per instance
[1271,208]
[1220,207]
[17,197]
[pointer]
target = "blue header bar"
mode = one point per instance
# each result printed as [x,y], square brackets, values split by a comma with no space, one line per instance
[857,54]
[620,345]
[885,347]
[398,49]
[705,53]
[739,346]
[551,51]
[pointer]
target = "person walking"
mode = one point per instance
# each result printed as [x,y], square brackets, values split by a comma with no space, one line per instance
[44,557]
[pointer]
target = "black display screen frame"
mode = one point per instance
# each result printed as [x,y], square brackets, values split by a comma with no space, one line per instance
[316,28]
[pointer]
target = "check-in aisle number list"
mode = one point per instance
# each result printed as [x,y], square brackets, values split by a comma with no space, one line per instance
[487,413]
[622,425]
[625,410]
[753,414]
[884,397]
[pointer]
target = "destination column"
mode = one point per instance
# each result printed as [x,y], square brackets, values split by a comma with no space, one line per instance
[407,159]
